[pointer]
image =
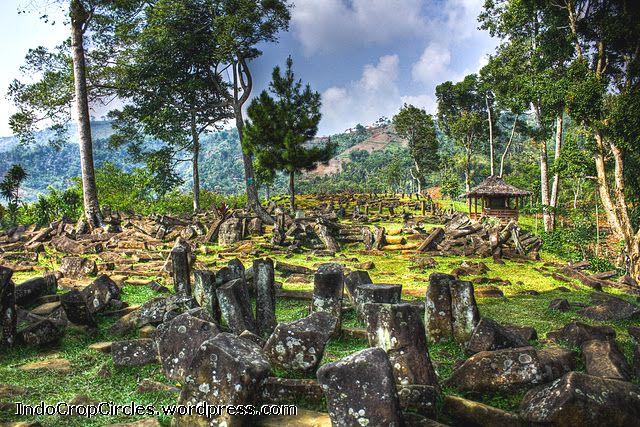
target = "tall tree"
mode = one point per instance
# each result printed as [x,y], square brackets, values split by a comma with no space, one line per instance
[282,123]
[163,74]
[418,128]
[461,108]
[243,25]
[10,189]
[64,90]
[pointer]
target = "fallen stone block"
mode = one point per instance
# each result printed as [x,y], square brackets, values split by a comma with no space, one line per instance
[605,359]
[134,352]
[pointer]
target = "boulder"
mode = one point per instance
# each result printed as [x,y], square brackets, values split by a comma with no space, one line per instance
[298,346]
[328,286]
[396,328]
[274,390]
[464,310]
[370,293]
[30,290]
[41,331]
[575,333]
[579,399]
[634,332]
[489,335]
[610,308]
[499,371]
[134,352]
[605,359]
[353,280]
[236,307]
[76,309]
[419,399]
[556,361]
[469,413]
[230,232]
[76,267]
[100,293]
[263,284]
[204,292]
[256,339]
[360,390]
[226,370]
[178,341]
[559,304]
[180,269]
[8,312]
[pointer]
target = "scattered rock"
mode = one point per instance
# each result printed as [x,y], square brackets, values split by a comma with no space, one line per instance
[77,267]
[559,304]
[489,335]
[29,291]
[575,333]
[56,364]
[611,308]
[581,399]
[470,413]
[134,352]
[100,293]
[360,390]
[605,359]
[263,284]
[355,279]
[376,293]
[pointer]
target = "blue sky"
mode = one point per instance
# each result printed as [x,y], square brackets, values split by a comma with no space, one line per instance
[366,57]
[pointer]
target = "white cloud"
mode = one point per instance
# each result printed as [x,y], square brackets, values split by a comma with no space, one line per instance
[329,25]
[427,102]
[433,64]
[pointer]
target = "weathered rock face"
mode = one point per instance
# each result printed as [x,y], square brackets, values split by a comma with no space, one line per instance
[438,319]
[204,292]
[236,307]
[470,413]
[490,335]
[230,232]
[76,309]
[376,294]
[180,269]
[556,361]
[580,399]
[353,280]
[8,314]
[41,331]
[450,309]
[178,341]
[634,332]
[417,398]
[397,329]
[360,390]
[610,308]
[75,267]
[158,310]
[328,286]
[500,370]
[263,284]
[134,352]
[298,346]
[605,359]
[30,290]
[226,370]
[575,333]
[100,293]
[276,390]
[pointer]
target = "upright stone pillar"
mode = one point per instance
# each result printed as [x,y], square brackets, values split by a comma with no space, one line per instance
[437,314]
[376,293]
[463,310]
[180,270]
[328,286]
[263,283]
[236,307]
[8,313]
[204,292]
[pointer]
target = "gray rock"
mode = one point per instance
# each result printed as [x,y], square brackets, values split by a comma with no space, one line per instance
[328,286]
[298,346]
[369,293]
[579,399]
[610,308]
[230,232]
[489,335]
[8,312]
[438,317]
[353,280]
[360,390]
[236,307]
[469,413]
[559,304]
[180,269]
[76,309]
[204,292]
[263,283]
[605,359]
[30,290]
[76,267]
[134,352]
[99,294]
[575,333]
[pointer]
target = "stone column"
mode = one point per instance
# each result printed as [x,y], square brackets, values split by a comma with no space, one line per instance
[235,307]
[204,292]
[328,286]
[376,293]
[180,270]
[437,315]
[263,283]
[8,313]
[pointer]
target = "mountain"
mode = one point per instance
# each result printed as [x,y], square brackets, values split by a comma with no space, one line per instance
[220,162]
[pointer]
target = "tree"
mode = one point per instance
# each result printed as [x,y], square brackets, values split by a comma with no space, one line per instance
[65,85]
[461,107]
[417,127]
[164,76]
[242,25]
[281,127]
[10,189]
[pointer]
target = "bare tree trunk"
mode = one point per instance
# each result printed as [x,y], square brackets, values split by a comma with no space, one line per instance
[467,170]
[544,187]
[506,149]
[79,17]
[556,176]
[603,187]
[292,192]
[491,162]
[196,172]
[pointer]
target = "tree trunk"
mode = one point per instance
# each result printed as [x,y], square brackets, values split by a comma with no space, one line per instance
[544,187]
[506,149]
[467,171]
[491,162]
[253,200]
[603,187]
[292,192]
[79,18]
[556,176]
[196,172]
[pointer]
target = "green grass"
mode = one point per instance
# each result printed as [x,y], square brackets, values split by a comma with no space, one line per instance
[120,385]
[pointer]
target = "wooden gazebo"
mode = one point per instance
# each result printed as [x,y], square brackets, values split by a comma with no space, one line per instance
[497,199]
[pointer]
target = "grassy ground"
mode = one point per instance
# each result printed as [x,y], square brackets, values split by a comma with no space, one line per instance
[93,375]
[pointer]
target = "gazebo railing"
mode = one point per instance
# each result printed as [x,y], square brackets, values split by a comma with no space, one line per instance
[505,214]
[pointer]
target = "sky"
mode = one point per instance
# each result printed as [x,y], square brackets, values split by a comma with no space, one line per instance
[366,57]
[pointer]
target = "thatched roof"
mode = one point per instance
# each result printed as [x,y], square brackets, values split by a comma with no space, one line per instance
[494,186]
